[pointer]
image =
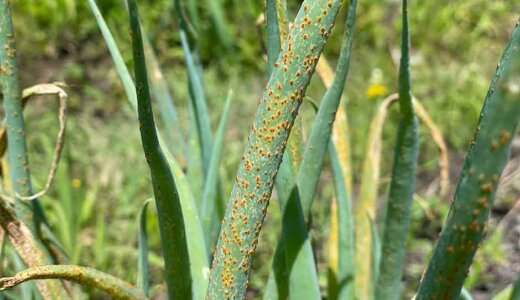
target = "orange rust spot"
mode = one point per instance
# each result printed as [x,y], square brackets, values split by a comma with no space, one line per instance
[487,188]
[505,136]
[249,165]
[494,145]
[474,226]
[482,202]
[323,30]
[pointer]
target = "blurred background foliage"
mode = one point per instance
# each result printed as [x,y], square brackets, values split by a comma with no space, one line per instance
[456,45]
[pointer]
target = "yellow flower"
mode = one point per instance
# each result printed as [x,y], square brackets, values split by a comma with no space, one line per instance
[76,183]
[376,90]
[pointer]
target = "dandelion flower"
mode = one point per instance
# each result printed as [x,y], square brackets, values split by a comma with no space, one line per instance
[376,90]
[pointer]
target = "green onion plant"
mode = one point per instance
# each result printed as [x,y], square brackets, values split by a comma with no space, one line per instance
[208,238]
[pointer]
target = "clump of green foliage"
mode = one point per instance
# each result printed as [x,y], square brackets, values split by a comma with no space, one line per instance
[199,228]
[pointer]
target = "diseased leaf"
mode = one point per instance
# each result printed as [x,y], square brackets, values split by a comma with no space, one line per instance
[264,150]
[402,185]
[474,196]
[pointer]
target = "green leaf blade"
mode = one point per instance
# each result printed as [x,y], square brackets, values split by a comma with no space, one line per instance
[199,263]
[32,246]
[298,257]
[117,58]
[30,212]
[211,224]
[199,103]
[171,221]
[346,258]
[273,35]
[142,263]
[402,186]
[301,264]
[474,196]
[314,154]
[263,153]
[217,15]
[515,293]
[196,245]
[168,112]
